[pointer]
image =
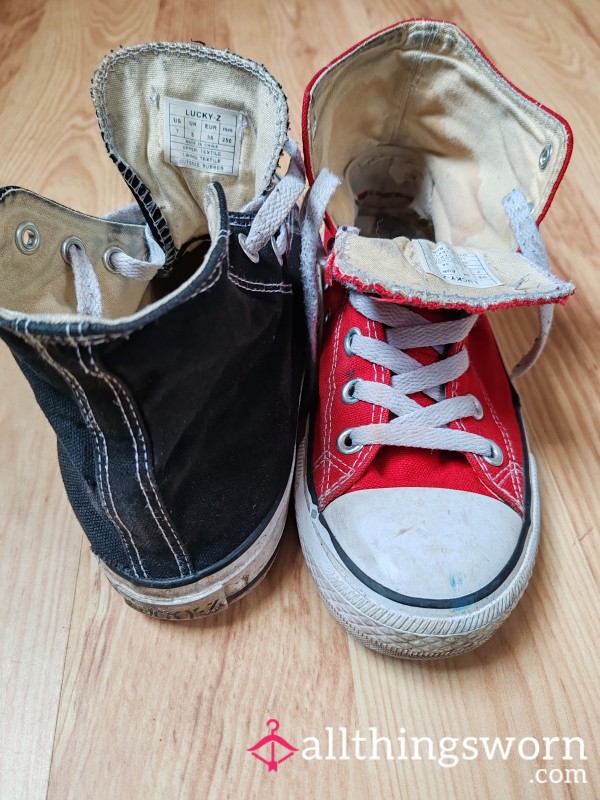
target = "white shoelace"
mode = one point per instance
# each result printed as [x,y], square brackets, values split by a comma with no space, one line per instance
[272,209]
[414,425]
[87,287]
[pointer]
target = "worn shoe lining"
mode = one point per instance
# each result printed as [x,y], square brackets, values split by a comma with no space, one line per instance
[429,138]
[129,91]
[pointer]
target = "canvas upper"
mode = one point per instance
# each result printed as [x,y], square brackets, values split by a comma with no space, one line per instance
[417,461]
[166,347]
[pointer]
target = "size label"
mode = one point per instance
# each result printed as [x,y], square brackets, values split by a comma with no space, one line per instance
[459,269]
[202,137]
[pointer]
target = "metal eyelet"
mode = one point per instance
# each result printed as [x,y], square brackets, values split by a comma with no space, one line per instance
[107,259]
[278,255]
[478,412]
[327,315]
[348,340]
[344,443]
[252,256]
[67,244]
[496,458]
[348,392]
[545,156]
[27,237]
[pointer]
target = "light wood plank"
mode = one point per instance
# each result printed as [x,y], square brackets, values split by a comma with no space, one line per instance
[40,543]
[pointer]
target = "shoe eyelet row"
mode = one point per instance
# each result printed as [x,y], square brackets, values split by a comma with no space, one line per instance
[345,444]
[348,391]
[348,340]
[496,457]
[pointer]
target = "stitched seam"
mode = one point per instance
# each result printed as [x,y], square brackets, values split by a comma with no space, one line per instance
[189,50]
[279,285]
[367,450]
[92,425]
[102,338]
[515,469]
[256,286]
[331,386]
[327,461]
[333,458]
[347,269]
[498,491]
[333,465]
[117,389]
[350,469]
[113,381]
[512,457]
[503,480]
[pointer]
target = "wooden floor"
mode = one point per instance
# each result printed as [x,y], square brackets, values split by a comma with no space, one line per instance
[97,701]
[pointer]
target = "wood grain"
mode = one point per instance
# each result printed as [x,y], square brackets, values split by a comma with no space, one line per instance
[97,701]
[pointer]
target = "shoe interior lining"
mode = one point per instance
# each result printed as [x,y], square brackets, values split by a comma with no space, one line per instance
[42,282]
[428,139]
[130,91]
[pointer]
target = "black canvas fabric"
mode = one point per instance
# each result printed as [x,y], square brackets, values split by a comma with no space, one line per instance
[176,432]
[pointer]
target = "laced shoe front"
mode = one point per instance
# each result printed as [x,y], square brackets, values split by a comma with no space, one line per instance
[417,497]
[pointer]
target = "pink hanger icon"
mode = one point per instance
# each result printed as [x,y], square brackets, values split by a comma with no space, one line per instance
[271,742]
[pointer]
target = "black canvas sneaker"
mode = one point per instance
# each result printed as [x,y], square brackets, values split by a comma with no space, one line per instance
[164,342]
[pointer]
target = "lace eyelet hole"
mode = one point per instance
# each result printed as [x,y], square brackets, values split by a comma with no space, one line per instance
[496,457]
[242,240]
[344,443]
[278,255]
[348,392]
[71,241]
[478,408]
[545,157]
[348,340]
[27,237]
[107,258]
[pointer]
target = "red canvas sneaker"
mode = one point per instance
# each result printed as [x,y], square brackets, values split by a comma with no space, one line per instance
[417,498]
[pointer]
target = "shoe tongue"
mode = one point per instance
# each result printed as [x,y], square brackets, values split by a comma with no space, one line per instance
[438,275]
[176,117]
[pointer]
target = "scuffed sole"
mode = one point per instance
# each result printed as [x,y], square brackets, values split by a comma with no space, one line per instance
[214,592]
[395,629]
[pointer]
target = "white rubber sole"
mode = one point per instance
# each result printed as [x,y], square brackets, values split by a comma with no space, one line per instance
[393,628]
[214,592]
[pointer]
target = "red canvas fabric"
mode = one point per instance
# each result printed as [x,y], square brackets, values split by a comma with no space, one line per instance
[377,467]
